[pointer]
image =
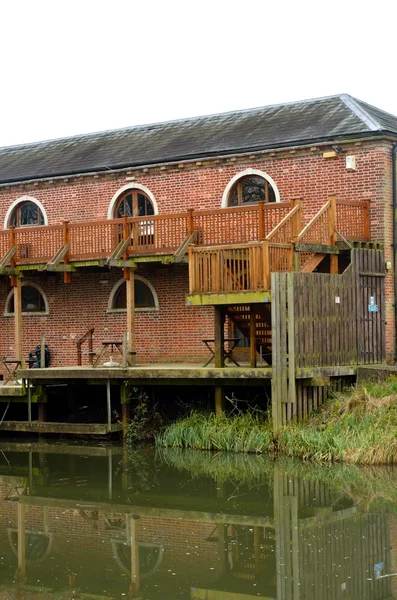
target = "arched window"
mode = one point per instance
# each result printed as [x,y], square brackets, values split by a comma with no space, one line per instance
[145,296]
[33,300]
[26,211]
[132,200]
[250,187]
[133,203]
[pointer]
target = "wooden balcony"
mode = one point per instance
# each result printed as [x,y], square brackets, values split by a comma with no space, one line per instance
[234,248]
[234,270]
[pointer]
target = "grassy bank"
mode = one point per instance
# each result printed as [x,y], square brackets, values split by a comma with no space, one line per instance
[358,427]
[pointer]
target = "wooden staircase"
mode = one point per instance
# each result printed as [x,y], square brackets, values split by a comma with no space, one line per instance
[240,316]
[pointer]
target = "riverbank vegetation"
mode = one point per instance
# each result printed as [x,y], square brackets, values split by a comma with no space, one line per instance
[358,426]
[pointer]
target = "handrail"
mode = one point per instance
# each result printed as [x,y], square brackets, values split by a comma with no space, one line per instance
[282,222]
[314,220]
[86,336]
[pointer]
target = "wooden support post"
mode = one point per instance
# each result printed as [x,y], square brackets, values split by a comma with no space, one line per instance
[222,546]
[252,336]
[29,401]
[18,319]
[219,337]
[110,475]
[21,540]
[219,400]
[42,351]
[108,405]
[258,536]
[332,233]
[130,285]
[125,405]
[291,342]
[42,409]
[134,555]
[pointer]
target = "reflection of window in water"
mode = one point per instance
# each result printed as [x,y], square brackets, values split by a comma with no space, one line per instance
[150,557]
[38,545]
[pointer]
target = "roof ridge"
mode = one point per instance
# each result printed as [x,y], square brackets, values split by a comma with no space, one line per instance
[360,112]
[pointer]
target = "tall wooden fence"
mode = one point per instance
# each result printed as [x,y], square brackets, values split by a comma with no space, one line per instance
[323,320]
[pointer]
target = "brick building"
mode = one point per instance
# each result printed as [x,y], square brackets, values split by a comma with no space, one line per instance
[310,150]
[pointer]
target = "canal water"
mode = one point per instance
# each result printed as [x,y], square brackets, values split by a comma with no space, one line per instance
[97,522]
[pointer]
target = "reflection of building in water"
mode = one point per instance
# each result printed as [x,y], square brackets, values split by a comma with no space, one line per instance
[304,543]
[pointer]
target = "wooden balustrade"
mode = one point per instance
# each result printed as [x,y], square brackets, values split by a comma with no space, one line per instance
[230,268]
[278,223]
[352,220]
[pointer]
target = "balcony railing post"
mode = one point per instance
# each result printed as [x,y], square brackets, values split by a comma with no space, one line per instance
[191,269]
[297,221]
[66,240]
[261,221]
[12,244]
[266,264]
[190,221]
[332,233]
[367,224]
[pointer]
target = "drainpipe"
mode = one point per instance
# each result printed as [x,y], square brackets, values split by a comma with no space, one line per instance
[394,188]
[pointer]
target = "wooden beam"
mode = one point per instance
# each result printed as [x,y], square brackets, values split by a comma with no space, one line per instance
[5,261]
[134,555]
[130,287]
[252,336]
[21,540]
[219,400]
[18,319]
[219,336]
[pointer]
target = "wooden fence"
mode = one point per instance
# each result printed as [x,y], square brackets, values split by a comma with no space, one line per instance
[332,555]
[323,320]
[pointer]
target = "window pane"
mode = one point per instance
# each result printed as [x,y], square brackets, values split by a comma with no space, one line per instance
[27,213]
[234,197]
[143,296]
[120,298]
[253,189]
[145,207]
[125,207]
[32,300]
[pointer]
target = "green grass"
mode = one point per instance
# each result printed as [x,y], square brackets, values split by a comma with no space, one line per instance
[245,432]
[359,427]
[356,427]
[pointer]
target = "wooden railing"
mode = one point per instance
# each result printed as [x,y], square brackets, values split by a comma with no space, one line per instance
[276,223]
[347,217]
[352,220]
[228,269]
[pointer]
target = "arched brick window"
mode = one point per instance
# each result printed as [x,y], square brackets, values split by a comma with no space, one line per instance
[133,203]
[25,212]
[250,187]
[34,300]
[145,296]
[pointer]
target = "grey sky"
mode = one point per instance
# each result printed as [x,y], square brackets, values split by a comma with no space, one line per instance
[76,67]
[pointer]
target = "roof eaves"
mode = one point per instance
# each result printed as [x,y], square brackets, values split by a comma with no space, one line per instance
[362,114]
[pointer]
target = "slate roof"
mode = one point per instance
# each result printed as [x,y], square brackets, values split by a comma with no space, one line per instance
[297,123]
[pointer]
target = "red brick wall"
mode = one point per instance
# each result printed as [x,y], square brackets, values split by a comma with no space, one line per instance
[174,333]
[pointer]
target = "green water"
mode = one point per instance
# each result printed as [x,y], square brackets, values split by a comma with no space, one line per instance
[95,522]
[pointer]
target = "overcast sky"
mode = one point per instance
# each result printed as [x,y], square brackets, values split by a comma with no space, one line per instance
[80,66]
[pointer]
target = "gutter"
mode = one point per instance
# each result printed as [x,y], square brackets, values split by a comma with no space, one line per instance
[394,191]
